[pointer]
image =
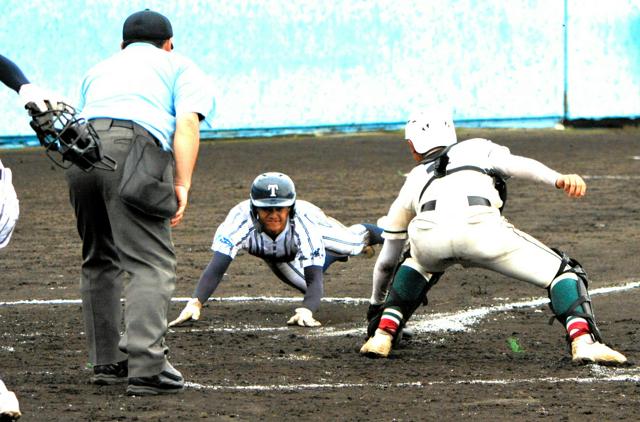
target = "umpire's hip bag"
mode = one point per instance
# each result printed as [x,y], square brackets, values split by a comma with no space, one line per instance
[148,173]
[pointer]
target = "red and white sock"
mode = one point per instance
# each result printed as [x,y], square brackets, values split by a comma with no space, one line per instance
[577,327]
[390,320]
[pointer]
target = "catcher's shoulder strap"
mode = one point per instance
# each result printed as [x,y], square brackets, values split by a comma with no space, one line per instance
[439,167]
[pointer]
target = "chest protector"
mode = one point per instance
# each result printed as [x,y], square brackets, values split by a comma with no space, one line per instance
[438,164]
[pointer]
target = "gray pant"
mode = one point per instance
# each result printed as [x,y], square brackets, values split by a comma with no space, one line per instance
[117,239]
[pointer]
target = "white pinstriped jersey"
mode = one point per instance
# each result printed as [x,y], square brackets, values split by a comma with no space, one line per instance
[313,234]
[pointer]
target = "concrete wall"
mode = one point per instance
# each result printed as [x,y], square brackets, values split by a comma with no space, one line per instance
[295,63]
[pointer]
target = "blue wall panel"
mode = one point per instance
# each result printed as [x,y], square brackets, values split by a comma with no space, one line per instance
[295,63]
[603,59]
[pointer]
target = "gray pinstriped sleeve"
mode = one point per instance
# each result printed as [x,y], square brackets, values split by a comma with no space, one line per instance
[315,287]
[211,276]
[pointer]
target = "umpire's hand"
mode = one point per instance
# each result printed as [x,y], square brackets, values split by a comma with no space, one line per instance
[190,311]
[182,193]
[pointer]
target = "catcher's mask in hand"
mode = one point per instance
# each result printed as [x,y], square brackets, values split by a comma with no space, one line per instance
[74,139]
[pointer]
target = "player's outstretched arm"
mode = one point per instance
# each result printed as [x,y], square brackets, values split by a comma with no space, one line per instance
[572,184]
[384,268]
[315,290]
[209,281]
[11,75]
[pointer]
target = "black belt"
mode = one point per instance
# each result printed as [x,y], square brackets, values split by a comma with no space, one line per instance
[105,124]
[108,123]
[472,200]
[128,124]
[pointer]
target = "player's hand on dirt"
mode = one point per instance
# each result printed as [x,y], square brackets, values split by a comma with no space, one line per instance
[182,193]
[190,311]
[303,318]
[572,184]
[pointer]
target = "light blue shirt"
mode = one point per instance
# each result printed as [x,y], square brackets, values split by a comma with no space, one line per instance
[148,85]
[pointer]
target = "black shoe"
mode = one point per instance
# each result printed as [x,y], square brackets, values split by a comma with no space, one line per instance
[169,381]
[109,374]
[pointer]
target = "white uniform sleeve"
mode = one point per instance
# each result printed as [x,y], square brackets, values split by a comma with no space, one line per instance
[9,206]
[230,236]
[312,250]
[383,270]
[400,213]
[522,167]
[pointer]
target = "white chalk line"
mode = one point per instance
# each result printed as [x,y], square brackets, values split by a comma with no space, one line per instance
[232,299]
[611,177]
[600,374]
[430,323]
[440,322]
[462,320]
[280,299]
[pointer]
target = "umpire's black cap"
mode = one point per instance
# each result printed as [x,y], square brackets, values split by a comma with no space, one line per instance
[146,25]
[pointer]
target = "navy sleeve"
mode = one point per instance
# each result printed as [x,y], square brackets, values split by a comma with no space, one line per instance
[315,287]
[211,276]
[11,75]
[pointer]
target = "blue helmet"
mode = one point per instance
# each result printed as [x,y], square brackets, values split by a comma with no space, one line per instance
[273,189]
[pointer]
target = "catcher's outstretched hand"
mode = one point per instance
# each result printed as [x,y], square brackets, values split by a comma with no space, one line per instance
[190,311]
[303,318]
[572,184]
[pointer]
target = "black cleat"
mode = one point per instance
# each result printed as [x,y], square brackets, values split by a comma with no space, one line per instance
[169,381]
[109,374]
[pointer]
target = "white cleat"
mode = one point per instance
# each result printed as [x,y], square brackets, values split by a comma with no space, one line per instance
[583,350]
[9,407]
[378,346]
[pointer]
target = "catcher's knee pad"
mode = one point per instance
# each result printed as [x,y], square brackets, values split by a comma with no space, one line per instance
[569,295]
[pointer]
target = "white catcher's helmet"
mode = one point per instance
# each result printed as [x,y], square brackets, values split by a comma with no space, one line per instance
[430,129]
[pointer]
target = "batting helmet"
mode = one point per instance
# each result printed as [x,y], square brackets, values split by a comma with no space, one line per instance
[430,129]
[273,190]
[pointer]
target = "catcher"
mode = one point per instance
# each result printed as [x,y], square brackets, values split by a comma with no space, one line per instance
[450,210]
[295,238]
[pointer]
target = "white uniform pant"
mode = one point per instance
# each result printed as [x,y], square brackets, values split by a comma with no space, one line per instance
[479,236]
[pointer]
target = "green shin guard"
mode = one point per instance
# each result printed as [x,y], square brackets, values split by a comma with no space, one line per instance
[570,299]
[407,291]
[563,295]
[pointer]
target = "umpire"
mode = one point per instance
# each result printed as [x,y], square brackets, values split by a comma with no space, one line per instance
[146,103]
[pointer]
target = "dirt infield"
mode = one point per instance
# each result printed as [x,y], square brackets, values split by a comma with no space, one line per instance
[502,361]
